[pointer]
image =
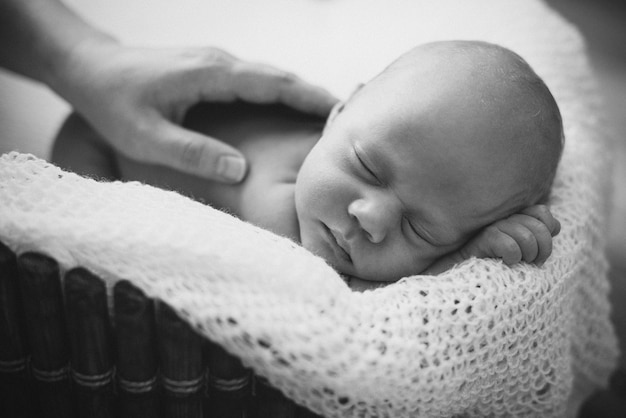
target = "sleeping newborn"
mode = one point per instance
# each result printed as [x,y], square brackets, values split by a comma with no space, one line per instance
[445,155]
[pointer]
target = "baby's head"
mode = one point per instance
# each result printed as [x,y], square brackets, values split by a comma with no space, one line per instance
[449,138]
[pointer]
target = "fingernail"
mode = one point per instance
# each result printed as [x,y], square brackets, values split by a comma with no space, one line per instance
[231,167]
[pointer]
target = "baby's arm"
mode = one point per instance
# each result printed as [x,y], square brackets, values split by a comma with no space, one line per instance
[524,236]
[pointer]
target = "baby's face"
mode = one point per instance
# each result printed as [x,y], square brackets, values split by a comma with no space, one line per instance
[398,181]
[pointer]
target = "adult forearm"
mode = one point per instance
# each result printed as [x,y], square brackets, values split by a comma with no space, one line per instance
[136,97]
[38,37]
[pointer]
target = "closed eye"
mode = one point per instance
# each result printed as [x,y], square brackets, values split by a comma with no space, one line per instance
[415,233]
[365,168]
[411,228]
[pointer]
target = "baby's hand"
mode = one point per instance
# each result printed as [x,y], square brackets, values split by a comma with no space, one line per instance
[524,236]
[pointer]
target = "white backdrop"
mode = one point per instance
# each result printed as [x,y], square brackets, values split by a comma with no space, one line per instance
[334,43]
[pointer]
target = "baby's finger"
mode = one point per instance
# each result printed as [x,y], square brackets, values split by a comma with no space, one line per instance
[522,236]
[493,243]
[508,250]
[541,236]
[542,213]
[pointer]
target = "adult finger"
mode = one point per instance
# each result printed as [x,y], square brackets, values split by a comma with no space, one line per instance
[542,213]
[193,153]
[261,83]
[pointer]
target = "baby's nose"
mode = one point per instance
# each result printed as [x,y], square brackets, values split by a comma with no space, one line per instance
[375,214]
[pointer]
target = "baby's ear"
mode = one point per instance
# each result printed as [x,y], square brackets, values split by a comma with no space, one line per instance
[339,107]
[335,111]
[356,89]
[333,114]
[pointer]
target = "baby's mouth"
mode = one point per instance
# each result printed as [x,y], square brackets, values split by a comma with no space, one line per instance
[339,245]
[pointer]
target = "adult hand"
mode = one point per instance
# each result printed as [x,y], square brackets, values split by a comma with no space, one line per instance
[136,99]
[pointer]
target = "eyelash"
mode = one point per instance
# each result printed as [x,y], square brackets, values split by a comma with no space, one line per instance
[367,169]
[418,235]
[413,230]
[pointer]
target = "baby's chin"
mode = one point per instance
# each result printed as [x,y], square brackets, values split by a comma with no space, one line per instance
[374,276]
[361,285]
[340,266]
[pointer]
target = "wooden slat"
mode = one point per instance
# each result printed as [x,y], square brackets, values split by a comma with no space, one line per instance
[182,371]
[302,412]
[90,341]
[15,389]
[47,336]
[229,386]
[270,402]
[137,361]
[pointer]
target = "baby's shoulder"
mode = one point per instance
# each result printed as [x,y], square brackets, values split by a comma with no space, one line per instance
[249,125]
[272,207]
[275,141]
[273,138]
[267,195]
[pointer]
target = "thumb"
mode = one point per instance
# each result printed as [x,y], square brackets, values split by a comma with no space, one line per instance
[494,244]
[196,154]
[479,247]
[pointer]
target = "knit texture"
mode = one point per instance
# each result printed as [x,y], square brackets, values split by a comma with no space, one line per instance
[479,340]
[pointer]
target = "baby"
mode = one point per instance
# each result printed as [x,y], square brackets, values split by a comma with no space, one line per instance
[444,155]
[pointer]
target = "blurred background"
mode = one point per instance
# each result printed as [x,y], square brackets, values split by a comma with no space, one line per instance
[603,24]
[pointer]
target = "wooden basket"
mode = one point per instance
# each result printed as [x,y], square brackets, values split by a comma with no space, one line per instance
[63,353]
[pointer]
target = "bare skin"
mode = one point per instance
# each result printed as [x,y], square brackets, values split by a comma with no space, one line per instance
[415,174]
[273,139]
[136,97]
[276,142]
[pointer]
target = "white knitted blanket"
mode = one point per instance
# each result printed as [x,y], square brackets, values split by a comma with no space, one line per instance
[479,340]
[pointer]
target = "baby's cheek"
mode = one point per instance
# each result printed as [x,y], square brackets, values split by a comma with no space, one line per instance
[422,257]
[310,186]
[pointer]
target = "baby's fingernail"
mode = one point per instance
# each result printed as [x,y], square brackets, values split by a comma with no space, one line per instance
[231,167]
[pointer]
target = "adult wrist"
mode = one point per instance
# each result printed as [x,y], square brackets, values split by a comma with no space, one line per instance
[79,56]
[70,69]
